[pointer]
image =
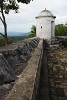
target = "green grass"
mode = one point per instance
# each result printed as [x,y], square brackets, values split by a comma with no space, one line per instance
[2,41]
[31,35]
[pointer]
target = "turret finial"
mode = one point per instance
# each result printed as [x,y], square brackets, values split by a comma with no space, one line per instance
[45,8]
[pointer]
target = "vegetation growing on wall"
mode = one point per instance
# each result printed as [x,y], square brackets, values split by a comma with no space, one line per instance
[61,30]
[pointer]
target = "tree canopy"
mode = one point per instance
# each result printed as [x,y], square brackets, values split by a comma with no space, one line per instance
[61,30]
[33,32]
[24,1]
[33,29]
[11,4]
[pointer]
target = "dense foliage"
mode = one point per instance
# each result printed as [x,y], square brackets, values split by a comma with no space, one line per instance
[61,30]
[2,41]
[33,32]
[11,39]
[31,35]
[33,29]
[16,38]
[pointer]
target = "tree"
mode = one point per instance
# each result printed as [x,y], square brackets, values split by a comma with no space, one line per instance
[5,7]
[33,29]
[33,32]
[61,30]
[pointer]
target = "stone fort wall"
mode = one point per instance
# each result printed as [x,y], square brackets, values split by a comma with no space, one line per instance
[21,63]
[26,86]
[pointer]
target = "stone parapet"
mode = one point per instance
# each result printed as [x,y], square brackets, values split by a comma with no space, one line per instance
[26,86]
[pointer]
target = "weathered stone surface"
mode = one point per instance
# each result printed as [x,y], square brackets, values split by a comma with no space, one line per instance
[6,73]
[27,85]
[64,42]
[57,65]
[20,54]
[16,56]
[5,89]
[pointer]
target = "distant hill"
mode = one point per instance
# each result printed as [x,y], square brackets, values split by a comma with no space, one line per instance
[14,37]
[18,33]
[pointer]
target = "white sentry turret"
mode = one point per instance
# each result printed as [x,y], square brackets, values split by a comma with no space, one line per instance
[45,25]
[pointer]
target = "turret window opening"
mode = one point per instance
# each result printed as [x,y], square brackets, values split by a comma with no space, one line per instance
[41,26]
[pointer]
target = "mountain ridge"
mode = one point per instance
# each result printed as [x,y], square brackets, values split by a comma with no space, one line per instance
[18,33]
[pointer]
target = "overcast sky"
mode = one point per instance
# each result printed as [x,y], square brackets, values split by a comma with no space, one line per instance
[22,21]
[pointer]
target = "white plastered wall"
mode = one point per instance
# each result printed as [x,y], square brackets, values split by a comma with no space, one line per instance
[44,29]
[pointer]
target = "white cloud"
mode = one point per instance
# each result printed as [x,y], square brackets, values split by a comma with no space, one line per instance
[26,18]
